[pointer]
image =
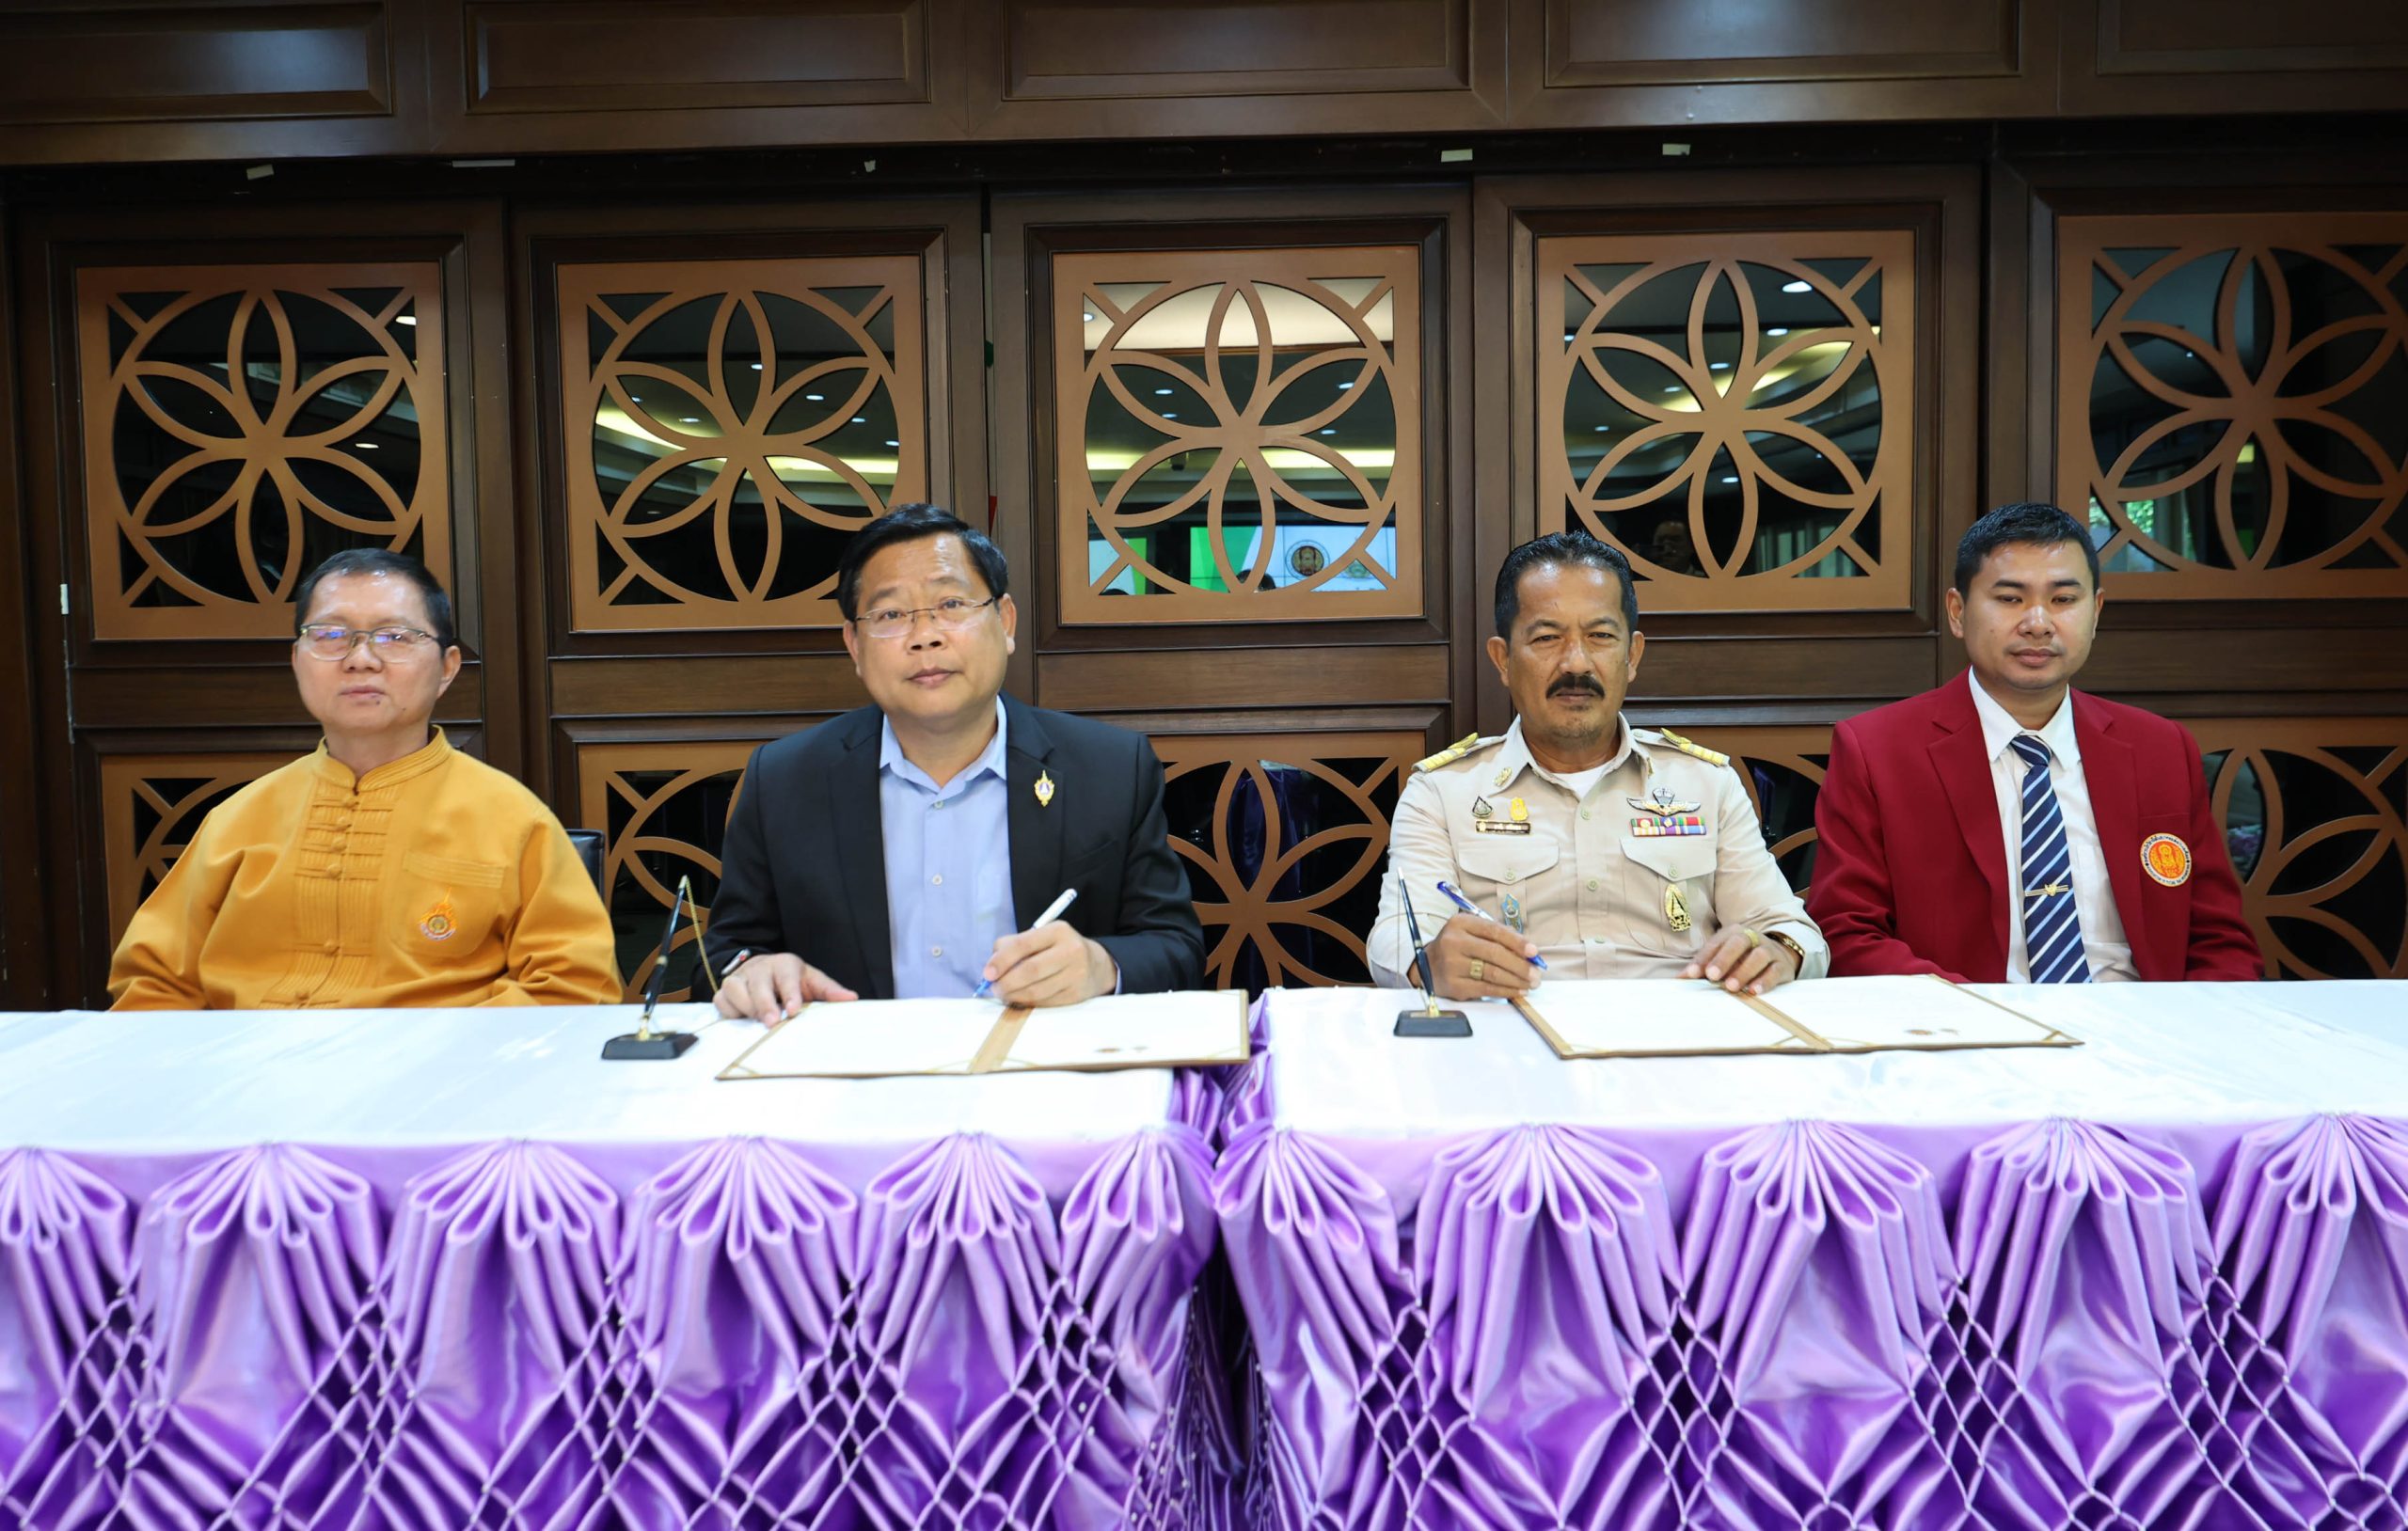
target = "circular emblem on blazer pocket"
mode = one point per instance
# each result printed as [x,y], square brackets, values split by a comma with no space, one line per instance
[440,925]
[2165,857]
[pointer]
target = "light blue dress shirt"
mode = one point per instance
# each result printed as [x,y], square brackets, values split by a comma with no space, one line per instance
[948,867]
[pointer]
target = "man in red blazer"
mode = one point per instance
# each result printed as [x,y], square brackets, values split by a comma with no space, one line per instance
[1931,816]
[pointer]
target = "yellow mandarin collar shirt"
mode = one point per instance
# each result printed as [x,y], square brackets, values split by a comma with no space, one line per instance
[432,880]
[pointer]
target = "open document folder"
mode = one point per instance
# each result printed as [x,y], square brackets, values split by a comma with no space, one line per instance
[882,1038]
[1682,1017]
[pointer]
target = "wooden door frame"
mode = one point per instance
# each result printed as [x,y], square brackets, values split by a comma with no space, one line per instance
[810,670]
[1947,199]
[1028,227]
[25,955]
[2152,647]
[464,237]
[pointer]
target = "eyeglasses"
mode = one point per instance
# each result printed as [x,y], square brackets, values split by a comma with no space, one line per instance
[953,615]
[323,640]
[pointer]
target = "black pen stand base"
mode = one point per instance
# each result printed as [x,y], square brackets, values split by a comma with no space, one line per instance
[659,1046]
[1432,1021]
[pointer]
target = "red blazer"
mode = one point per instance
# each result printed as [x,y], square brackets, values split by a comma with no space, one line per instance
[1911,871]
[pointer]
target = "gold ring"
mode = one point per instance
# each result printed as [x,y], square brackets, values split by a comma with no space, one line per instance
[1477,966]
[1754,940]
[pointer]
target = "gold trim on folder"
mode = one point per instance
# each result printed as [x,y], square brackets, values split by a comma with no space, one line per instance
[1810,1042]
[998,1045]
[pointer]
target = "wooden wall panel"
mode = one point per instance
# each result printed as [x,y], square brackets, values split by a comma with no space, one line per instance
[151,804]
[1628,62]
[194,79]
[88,63]
[1275,677]
[1661,288]
[302,397]
[1640,42]
[1047,67]
[2226,56]
[1720,417]
[1283,837]
[200,79]
[2231,393]
[2315,811]
[517,76]
[334,437]
[1277,395]
[634,55]
[1333,46]
[24,685]
[662,805]
[724,429]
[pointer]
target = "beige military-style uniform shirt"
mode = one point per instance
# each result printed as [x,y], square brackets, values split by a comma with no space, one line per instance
[1631,880]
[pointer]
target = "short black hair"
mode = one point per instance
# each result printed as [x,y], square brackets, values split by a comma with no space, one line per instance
[1559,548]
[2025,521]
[909,524]
[380,561]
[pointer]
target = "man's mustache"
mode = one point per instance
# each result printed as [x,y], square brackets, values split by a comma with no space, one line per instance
[1578,683]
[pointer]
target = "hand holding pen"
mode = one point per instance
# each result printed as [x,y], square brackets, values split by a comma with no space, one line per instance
[1456,897]
[1477,957]
[1049,963]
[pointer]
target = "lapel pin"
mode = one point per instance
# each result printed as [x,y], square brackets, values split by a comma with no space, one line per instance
[1044,790]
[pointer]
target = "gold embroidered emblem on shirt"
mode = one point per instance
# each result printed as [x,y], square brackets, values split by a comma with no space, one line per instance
[440,924]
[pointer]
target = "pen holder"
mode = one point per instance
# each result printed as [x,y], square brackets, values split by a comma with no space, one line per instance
[1430,1020]
[641,1046]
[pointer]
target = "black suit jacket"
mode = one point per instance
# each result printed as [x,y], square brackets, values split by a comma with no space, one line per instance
[803,869]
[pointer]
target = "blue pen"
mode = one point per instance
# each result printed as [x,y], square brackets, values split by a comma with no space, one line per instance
[1469,907]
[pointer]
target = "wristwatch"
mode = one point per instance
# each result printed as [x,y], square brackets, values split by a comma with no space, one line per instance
[1797,953]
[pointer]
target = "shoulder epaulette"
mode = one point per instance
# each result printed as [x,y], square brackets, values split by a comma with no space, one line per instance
[1456,752]
[1712,757]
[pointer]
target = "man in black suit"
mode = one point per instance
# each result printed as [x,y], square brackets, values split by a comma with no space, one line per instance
[906,848]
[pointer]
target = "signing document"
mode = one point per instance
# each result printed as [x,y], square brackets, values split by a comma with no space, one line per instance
[885,1038]
[1669,1017]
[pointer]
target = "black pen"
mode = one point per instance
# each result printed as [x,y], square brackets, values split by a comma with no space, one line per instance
[1412,922]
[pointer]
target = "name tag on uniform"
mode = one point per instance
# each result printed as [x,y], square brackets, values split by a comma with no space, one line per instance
[1671,824]
[1501,825]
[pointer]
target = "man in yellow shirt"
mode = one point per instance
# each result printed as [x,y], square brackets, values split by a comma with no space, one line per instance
[385,869]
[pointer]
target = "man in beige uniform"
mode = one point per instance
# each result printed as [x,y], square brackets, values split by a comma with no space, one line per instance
[1611,851]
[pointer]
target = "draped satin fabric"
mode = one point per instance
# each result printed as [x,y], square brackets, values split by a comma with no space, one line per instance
[855,1317]
[2160,1280]
[446,1271]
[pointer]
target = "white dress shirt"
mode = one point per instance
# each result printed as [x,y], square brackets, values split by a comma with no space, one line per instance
[2102,929]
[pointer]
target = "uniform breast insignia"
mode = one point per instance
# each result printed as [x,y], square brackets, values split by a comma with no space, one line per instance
[439,924]
[2167,858]
[1482,808]
[1450,754]
[1712,757]
[1677,910]
[1662,814]
[1651,828]
[1519,810]
[1512,908]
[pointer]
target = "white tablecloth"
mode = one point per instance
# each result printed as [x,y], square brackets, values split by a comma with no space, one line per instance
[162,1081]
[2181,1053]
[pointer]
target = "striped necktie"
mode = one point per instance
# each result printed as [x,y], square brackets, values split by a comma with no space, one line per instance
[2051,925]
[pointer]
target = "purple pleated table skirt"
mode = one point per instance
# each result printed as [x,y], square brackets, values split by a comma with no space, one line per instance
[450,1271]
[2160,1280]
